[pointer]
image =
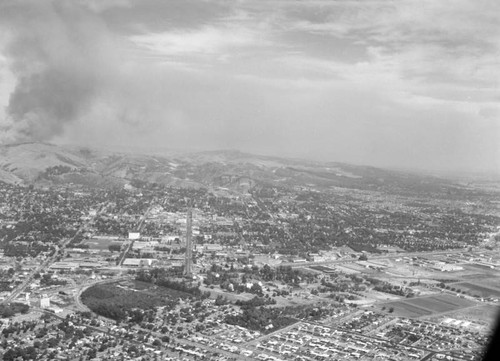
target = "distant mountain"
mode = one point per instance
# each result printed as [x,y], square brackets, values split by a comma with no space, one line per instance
[42,163]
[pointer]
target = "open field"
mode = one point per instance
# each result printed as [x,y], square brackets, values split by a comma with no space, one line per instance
[357,267]
[481,314]
[479,276]
[375,295]
[424,306]
[404,309]
[402,270]
[481,268]
[489,282]
[101,244]
[101,298]
[440,303]
[151,289]
[110,300]
[324,269]
[485,313]
[347,270]
[478,289]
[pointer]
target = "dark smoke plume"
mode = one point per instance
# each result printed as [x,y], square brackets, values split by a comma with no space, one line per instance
[59,53]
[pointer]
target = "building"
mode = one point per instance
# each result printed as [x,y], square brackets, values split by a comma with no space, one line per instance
[44,301]
[64,266]
[139,262]
[134,235]
[90,265]
[210,248]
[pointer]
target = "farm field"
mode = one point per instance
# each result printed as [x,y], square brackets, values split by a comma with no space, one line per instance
[489,282]
[478,289]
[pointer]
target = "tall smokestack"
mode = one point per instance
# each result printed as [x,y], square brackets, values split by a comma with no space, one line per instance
[189,251]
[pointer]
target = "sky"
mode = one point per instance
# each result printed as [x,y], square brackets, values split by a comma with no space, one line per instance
[412,84]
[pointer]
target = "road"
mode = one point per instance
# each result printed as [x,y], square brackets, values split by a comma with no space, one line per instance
[45,264]
[165,348]
[372,337]
[140,227]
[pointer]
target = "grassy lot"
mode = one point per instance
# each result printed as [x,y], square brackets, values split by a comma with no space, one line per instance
[100,244]
[483,314]
[115,299]
[478,289]
[424,306]
[115,295]
[440,303]
[488,281]
[403,309]
[324,269]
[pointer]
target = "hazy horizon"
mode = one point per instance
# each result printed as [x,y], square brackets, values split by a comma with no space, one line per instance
[409,85]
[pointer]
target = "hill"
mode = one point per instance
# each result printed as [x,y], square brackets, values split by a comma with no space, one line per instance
[42,163]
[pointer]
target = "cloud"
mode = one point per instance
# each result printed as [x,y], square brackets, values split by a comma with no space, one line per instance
[490,112]
[62,56]
[379,82]
[208,41]
[414,45]
[100,6]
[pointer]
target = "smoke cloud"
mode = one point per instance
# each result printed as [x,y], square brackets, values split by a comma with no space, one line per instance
[62,57]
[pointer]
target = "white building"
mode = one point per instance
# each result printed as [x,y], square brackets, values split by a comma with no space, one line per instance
[44,301]
[139,262]
[134,235]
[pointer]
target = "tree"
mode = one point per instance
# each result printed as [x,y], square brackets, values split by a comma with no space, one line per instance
[31,353]
[114,247]
[256,289]
[133,349]
[9,355]
[220,300]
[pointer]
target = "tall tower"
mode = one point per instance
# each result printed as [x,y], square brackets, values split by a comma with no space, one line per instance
[189,247]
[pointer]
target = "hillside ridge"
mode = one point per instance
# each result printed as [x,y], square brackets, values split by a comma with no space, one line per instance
[44,163]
